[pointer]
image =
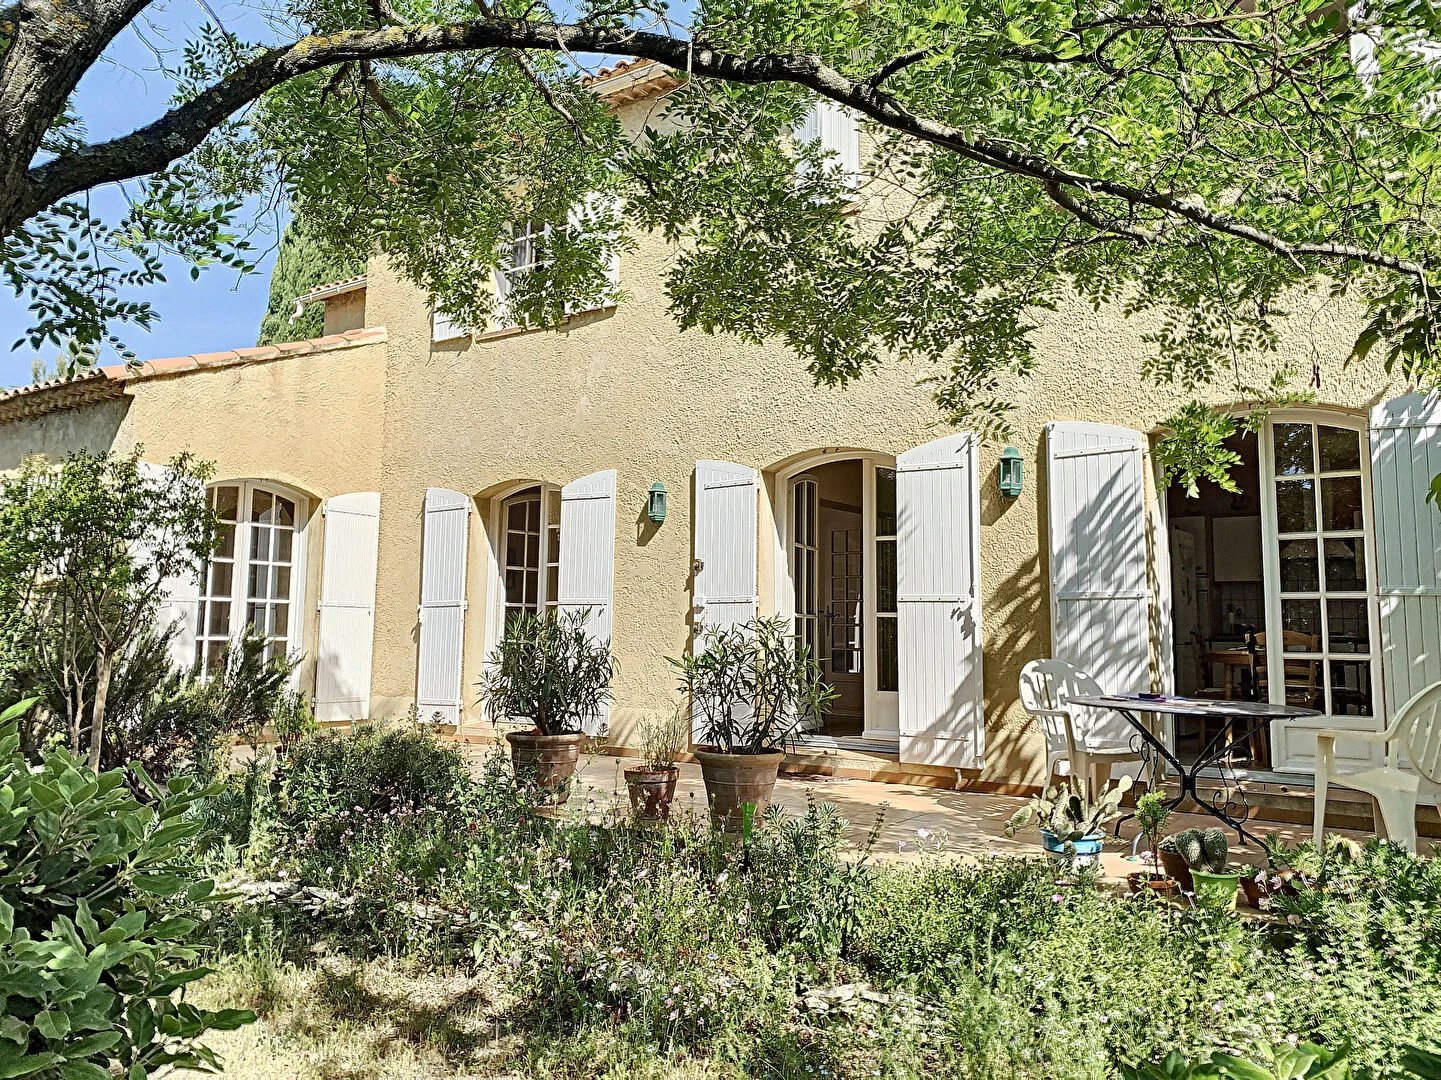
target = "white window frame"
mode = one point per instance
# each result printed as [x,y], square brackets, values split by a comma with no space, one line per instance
[549,495]
[240,576]
[1271,540]
[519,257]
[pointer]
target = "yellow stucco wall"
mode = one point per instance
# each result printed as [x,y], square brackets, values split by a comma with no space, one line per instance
[309,422]
[624,389]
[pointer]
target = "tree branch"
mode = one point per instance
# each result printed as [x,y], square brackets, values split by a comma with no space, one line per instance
[183,128]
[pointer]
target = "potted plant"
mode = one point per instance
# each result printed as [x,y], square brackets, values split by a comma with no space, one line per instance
[1277,878]
[1072,825]
[1174,865]
[1206,853]
[1152,813]
[750,687]
[551,676]
[652,783]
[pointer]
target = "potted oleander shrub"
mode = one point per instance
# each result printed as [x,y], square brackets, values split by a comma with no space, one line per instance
[1071,822]
[1206,853]
[551,677]
[1152,813]
[750,687]
[651,784]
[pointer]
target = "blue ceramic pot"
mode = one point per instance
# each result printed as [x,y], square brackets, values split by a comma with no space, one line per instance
[1082,851]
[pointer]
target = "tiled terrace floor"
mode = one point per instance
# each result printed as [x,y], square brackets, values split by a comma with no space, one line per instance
[914,820]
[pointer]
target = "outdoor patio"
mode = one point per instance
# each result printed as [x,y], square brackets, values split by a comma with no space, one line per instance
[914,821]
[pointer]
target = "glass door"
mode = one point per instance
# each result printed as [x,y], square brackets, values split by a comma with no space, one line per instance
[1322,654]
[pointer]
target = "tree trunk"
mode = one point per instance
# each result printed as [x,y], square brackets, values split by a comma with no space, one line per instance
[104,664]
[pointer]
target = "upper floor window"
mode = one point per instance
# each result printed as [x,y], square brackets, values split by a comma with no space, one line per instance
[529,249]
[251,580]
[530,550]
[835,128]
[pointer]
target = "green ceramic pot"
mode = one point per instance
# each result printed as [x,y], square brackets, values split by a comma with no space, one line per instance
[1217,891]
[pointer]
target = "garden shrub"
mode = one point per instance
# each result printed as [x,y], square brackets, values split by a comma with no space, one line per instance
[95,941]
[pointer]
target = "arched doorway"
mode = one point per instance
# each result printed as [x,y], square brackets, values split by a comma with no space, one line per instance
[836,582]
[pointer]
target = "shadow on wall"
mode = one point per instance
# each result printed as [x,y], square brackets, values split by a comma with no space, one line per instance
[56,435]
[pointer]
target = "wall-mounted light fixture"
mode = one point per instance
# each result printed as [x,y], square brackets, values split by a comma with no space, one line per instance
[655,503]
[1010,477]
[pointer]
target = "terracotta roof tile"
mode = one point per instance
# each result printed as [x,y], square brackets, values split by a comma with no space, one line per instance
[631,80]
[111,380]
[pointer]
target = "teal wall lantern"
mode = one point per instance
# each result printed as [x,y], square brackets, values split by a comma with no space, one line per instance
[655,503]
[1011,474]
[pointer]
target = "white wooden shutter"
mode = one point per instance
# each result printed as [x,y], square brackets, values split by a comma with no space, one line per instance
[442,605]
[179,598]
[938,567]
[1405,455]
[444,327]
[586,217]
[725,544]
[587,558]
[345,636]
[1100,600]
[835,127]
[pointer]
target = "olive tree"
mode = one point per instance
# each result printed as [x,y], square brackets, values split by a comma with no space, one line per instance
[86,549]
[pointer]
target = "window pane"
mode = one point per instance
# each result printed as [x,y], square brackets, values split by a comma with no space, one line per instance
[887,675]
[283,538]
[226,501]
[515,549]
[1347,627]
[1351,688]
[259,542]
[225,542]
[280,620]
[886,502]
[214,655]
[532,587]
[255,617]
[1341,503]
[284,512]
[552,547]
[532,516]
[259,582]
[260,505]
[532,550]
[885,575]
[1293,449]
[1345,565]
[515,586]
[280,583]
[222,578]
[1298,566]
[552,584]
[1295,506]
[1301,622]
[515,516]
[1340,448]
[218,623]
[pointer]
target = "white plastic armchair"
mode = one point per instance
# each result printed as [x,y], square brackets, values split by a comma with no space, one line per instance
[1076,743]
[1412,753]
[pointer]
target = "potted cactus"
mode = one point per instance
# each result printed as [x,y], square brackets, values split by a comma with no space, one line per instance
[1072,825]
[1206,853]
[1152,813]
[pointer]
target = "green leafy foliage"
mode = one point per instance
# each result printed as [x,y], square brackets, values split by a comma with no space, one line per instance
[77,597]
[301,264]
[752,685]
[1306,1061]
[548,670]
[98,898]
[1072,812]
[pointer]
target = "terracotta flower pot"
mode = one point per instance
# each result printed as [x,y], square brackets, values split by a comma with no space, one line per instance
[546,762]
[1175,867]
[651,791]
[734,780]
[1144,882]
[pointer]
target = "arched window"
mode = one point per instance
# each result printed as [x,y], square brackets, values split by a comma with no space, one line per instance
[530,550]
[253,577]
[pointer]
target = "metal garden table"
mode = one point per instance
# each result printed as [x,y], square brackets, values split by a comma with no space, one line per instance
[1238,720]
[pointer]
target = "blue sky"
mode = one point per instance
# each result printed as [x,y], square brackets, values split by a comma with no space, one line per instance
[222,309]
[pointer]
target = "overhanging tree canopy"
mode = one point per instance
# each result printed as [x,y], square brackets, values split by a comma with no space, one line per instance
[1196,160]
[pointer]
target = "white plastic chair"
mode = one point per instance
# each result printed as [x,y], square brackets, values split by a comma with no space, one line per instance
[1416,734]
[1080,741]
